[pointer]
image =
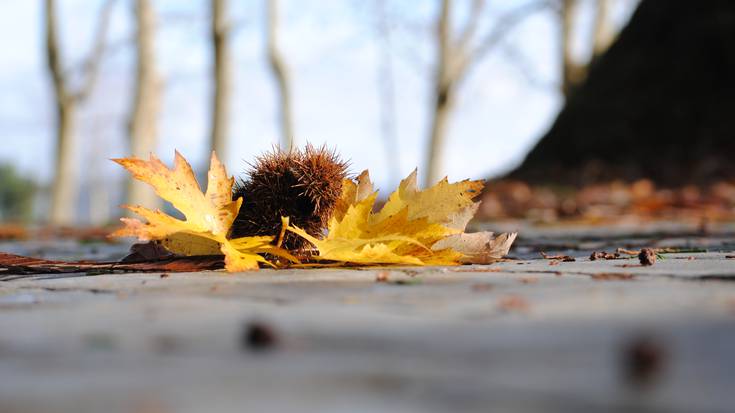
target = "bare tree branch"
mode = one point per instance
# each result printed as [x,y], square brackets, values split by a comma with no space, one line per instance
[92,64]
[453,62]
[111,49]
[473,20]
[504,25]
[526,69]
[53,52]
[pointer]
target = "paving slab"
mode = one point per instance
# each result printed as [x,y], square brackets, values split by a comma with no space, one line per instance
[523,336]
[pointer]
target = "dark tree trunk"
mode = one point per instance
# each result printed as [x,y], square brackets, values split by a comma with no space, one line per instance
[660,104]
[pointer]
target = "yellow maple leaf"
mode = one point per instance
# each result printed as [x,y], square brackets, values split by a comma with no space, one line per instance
[209,215]
[404,230]
[353,193]
[439,204]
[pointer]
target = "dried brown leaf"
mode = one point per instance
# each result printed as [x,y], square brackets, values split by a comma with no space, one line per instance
[478,247]
[564,258]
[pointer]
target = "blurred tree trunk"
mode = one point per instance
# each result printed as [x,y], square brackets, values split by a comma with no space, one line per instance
[456,55]
[65,186]
[280,72]
[97,181]
[222,74]
[444,84]
[66,190]
[143,121]
[386,91]
[657,105]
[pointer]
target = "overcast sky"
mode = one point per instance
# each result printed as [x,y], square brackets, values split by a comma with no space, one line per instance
[330,45]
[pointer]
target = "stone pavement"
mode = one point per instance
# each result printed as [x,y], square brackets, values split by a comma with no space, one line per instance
[521,336]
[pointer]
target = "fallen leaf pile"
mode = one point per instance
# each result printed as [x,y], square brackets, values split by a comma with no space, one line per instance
[414,227]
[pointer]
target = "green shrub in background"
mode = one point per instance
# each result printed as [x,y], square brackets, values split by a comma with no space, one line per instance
[16,195]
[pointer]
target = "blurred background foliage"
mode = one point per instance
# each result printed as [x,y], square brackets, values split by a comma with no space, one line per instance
[16,195]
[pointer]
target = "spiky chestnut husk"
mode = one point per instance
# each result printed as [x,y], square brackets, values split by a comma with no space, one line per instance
[303,185]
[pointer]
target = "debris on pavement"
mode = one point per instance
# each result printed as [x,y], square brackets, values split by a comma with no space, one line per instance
[603,255]
[647,257]
[644,360]
[258,336]
[563,258]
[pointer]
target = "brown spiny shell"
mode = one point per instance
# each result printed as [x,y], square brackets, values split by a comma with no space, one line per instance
[303,185]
